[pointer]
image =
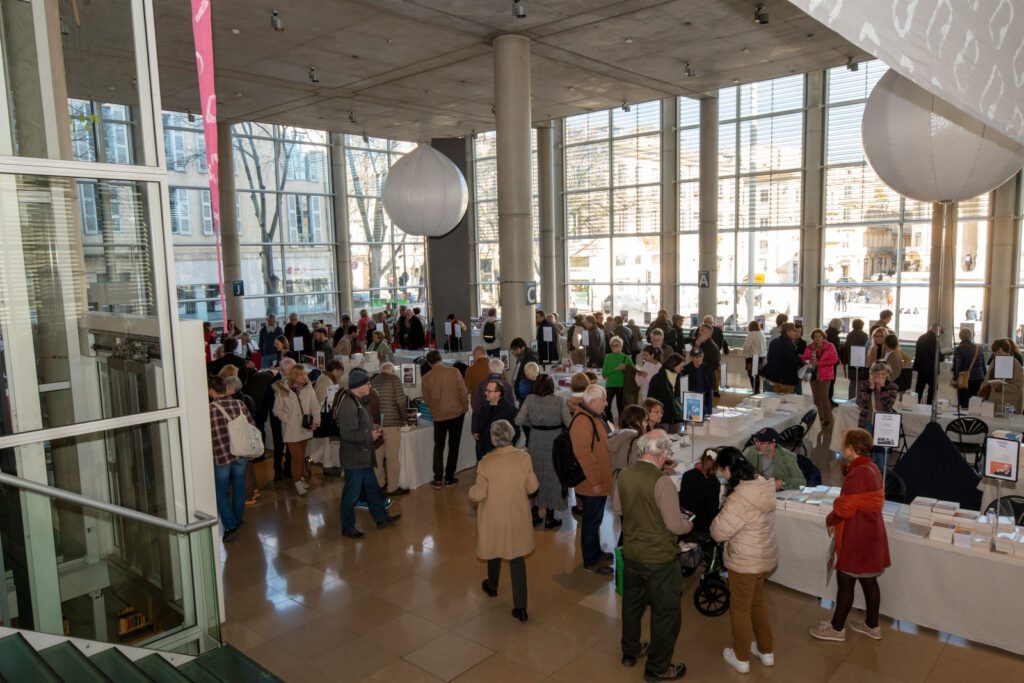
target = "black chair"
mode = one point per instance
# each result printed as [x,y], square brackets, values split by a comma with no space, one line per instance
[977,431]
[895,487]
[749,443]
[793,439]
[1008,505]
[901,448]
[808,420]
[811,472]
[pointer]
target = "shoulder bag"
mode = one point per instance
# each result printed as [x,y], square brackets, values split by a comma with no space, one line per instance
[963,377]
[244,440]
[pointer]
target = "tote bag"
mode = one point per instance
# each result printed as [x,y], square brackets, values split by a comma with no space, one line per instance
[245,440]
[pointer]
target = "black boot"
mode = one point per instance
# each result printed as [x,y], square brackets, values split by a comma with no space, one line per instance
[550,521]
[537,520]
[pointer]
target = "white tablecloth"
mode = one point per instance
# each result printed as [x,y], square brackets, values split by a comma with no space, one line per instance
[914,421]
[977,596]
[416,454]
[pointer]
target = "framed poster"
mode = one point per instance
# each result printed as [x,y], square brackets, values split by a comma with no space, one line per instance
[798,320]
[380,327]
[297,344]
[447,328]
[585,338]
[647,317]
[858,356]
[887,429]
[504,358]
[408,373]
[457,330]
[1002,458]
[547,334]
[693,407]
[1002,367]
[321,361]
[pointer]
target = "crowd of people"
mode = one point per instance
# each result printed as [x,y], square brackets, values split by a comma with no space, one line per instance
[325,409]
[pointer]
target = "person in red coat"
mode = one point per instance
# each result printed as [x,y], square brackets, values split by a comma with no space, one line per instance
[861,546]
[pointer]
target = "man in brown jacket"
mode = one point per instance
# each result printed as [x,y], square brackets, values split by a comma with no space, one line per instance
[589,435]
[393,416]
[478,371]
[445,394]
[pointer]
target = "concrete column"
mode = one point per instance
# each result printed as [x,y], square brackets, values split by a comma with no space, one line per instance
[1003,256]
[670,205]
[447,289]
[515,233]
[708,259]
[342,252]
[811,220]
[230,251]
[547,198]
[942,275]
[558,132]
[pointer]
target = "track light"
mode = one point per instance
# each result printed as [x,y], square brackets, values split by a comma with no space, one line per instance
[625,107]
[519,9]
[689,71]
[473,134]
[64,30]
[191,117]
[276,22]
[366,138]
[351,117]
[314,77]
[852,65]
[761,14]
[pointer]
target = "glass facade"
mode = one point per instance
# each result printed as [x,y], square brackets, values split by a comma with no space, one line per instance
[760,166]
[689,205]
[388,266]
[613,210]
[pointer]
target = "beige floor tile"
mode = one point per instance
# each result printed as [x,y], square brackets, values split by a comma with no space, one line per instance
[279,619]
[353,661]
[893,659]
[379,576]
[597,665]
[545,651]
[315,550]
[947,670]
[448,656]
[452,610]
[331,597]
[242,637]
[253,600]
[401,671]
[365,614]
[605,600]
[798,661]
[500,669]
[492,628]
[855,673]
[301,580]
[311,640]
[582,621]
[1006,663]
[405,633]
[275,659]
[410,593]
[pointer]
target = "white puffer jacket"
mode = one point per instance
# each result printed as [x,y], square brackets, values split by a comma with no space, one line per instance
[746,524]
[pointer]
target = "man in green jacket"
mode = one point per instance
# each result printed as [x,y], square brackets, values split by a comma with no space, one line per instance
[772,461]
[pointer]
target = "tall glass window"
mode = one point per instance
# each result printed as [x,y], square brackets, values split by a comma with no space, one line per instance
[284,219]
[689,205]
[388,266]
[485,206]
[761,137]
[877,244]
[613,210]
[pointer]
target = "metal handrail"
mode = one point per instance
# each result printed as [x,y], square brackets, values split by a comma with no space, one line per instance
[205,521]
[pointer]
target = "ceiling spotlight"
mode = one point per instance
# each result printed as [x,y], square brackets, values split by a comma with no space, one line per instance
[191,117]
[351,117]
[852,65]
[276,22]
[761,14]
[314,77]
[235,31]
[629,41]
[625,107]
[519,9]
[689,71]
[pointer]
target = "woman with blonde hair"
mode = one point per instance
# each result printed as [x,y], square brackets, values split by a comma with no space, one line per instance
[525,387]
[228,371]
[296,406]
[755,345]
[379,346]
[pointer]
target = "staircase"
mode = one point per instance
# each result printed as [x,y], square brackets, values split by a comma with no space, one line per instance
[42,658]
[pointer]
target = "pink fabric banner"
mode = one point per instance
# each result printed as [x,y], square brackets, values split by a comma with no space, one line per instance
[202,35]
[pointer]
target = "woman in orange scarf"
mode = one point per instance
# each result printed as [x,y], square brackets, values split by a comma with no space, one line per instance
[861,546]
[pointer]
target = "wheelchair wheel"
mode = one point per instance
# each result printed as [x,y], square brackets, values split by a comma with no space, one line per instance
[711,598]
[688,571]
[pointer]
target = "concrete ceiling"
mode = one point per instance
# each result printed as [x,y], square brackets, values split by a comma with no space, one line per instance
[416,69]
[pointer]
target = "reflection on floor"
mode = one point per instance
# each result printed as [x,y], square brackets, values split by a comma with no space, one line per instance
[405,605]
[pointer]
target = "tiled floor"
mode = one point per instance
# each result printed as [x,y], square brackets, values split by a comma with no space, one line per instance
[405,605]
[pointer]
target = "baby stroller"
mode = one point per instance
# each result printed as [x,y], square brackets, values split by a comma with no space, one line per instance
[700,552]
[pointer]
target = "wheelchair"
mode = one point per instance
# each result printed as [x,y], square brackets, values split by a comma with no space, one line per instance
[701,552]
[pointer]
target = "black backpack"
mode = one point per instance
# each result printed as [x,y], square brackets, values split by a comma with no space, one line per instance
[567,467]
[490,331]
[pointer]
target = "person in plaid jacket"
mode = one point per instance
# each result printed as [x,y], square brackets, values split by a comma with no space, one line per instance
[228,470]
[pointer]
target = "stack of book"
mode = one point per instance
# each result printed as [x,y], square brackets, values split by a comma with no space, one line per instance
[921,510]
[942,532]
[908,528]
[890,509]
[962,537]
[1004,541]
[1005,523]
[966,519]
[784,498]
[1018,546]
[944,511]
[981,541]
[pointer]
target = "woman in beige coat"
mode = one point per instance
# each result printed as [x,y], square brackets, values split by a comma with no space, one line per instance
[294,400]
[504,483]
[746,524]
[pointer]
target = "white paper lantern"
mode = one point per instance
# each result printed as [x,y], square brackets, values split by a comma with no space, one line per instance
[928,150]
[425,193]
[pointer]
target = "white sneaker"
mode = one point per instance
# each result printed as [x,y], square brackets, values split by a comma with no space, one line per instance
[730,658]
[301,487]
[826,632]
[766,659]
[860,627]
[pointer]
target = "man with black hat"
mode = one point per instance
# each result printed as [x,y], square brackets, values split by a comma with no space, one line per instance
[357,434]
[772,461]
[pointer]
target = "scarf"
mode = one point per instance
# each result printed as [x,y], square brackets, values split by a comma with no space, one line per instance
[847,505]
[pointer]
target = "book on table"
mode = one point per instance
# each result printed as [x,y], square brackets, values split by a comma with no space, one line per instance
[942,532]
[908,528]
[962,537]
[981,541]
[1004,540]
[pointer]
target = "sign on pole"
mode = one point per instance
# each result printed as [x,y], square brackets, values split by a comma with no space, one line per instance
[704,279]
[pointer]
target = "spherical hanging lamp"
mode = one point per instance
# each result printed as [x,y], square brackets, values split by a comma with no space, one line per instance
[425,193]
[928,150]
